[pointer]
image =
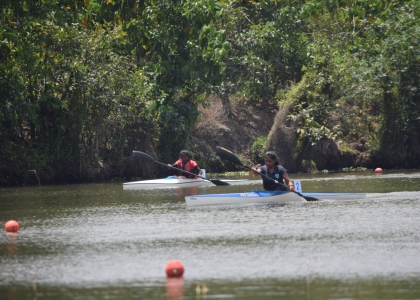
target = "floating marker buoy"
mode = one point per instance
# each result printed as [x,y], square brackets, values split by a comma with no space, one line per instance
[378,171]
[174,268]
[12,226]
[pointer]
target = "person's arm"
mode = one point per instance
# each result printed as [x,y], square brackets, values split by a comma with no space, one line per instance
[256,171]
[172,171]
[198,171]
[288,182]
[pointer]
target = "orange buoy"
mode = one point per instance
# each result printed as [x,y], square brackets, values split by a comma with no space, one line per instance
[378,171]
[12,226]
[174,268]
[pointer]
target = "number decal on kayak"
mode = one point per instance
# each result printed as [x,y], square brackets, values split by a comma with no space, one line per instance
[247,195]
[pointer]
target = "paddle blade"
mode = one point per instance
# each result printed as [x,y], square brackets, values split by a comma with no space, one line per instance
[228,155]
[307,198]
[219,182]
[142,155]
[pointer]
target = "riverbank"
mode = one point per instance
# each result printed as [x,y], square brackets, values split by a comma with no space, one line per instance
[248,124]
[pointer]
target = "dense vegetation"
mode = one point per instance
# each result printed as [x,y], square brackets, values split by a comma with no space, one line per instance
[83,83]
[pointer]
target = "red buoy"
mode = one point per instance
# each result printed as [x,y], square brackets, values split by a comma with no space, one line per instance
[378,171]
[174,268]
[12,226]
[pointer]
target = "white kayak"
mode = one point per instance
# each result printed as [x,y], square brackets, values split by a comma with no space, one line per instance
[256,196]
[171,182]
[244,198]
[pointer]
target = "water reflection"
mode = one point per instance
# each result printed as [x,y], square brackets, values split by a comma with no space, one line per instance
[11,243]
[182,192]
[175,288]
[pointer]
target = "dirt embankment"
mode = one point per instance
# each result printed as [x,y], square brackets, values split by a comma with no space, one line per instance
[247,123]
[236,133]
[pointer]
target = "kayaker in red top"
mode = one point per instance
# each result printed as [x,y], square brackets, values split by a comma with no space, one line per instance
[186,163]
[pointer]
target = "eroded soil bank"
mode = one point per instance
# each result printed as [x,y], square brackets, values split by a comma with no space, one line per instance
[248,123]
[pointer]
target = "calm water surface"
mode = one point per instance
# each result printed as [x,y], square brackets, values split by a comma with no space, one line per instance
[102,242]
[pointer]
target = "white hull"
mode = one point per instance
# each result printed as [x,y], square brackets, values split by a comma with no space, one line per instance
[264,197]
[243,198]
[171,182]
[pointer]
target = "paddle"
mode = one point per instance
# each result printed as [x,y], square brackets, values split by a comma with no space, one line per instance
[144,156]
[230,156]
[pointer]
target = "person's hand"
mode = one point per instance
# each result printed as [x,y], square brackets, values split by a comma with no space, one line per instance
[169,165]
[291,188]
[254,171]
[182,177]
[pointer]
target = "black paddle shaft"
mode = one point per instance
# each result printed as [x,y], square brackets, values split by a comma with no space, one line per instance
[144,156]
[230,156]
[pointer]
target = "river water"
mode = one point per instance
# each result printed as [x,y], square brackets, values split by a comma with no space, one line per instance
[98,241]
